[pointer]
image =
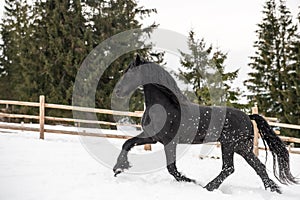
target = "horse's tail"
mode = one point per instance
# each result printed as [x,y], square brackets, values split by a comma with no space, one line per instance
[278,150]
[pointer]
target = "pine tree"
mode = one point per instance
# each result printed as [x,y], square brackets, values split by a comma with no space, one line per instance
[280,74]
[231,95]
[109,18]
[291,93]
[42,53]
[15,31]
[273,83]
[209,88]
[262,62]
[60,45]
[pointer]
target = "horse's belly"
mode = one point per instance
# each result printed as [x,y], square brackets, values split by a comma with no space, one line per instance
[206,137]
[199,138]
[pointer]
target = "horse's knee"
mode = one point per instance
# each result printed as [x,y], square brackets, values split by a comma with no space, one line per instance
[128,145]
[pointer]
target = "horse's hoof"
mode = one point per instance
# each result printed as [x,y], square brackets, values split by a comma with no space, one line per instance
[185,179]
[120,167]
[273,186]
[117,171]
[277,189]
[210,187]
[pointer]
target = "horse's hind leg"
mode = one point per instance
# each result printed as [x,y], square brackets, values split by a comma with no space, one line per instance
[227,167]
[170,151]
[122,162]
[246,152]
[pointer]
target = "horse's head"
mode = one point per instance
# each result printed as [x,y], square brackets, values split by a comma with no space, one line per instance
[131,79]
[135,63]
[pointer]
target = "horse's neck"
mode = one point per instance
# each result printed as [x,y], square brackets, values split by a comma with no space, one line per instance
[154,96]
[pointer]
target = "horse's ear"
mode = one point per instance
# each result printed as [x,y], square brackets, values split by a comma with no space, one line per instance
[138,60]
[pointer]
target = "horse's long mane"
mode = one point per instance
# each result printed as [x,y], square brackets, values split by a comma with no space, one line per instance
[158,77]
[164,82]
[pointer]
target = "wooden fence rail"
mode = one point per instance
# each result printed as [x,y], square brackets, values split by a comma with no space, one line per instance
[77,108]
[42,105]
[283,125]
[84,133]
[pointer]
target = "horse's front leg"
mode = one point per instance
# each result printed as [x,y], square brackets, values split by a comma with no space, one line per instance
[170,151]
[122,161]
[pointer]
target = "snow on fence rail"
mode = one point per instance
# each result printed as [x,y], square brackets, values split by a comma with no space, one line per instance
[42,105]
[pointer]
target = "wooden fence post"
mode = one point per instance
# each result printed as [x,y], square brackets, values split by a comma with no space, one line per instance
[42,116]
[147,147]
[256,133]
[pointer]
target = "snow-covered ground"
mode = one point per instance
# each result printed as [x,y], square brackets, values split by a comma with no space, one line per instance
[59,167]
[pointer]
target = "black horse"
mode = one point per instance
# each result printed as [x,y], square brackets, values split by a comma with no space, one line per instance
[188,123]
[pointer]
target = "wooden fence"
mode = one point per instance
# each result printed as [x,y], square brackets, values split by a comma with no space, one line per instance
[42,105]
[42,118]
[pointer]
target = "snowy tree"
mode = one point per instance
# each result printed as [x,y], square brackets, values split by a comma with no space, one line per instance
[273,82]
[197,67]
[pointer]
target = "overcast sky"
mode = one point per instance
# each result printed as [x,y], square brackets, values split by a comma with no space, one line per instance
[229,25]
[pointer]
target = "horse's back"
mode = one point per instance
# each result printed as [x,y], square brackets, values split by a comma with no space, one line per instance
[216,123]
